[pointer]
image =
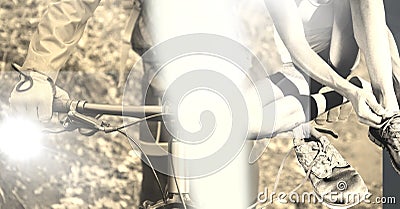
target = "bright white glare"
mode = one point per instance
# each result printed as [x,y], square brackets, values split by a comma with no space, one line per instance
[20,138]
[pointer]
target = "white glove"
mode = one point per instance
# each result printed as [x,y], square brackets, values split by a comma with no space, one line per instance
[34,98]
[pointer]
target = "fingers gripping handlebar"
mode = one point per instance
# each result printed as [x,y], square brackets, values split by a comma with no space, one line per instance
[61,106]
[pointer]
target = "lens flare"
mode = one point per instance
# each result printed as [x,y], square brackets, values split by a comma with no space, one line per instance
[20,138]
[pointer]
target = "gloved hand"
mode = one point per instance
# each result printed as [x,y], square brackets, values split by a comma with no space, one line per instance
[34,97]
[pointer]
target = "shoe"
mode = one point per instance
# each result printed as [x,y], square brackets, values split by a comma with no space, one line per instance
[335,182]
[388,137]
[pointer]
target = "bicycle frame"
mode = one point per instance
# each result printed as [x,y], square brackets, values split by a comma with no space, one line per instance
[177,194]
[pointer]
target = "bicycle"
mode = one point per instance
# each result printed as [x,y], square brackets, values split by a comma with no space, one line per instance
[83,115]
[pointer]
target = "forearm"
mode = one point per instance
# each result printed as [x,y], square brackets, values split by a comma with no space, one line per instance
[314,66]
[287,20]
[371,34]
[58,32]
[395,64]
[395,56]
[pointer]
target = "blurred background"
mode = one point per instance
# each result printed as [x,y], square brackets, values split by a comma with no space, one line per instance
[101,171]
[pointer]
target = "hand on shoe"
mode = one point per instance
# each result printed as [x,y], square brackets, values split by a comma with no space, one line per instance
[367,108]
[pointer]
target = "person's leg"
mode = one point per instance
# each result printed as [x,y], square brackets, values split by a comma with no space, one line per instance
[296,105]
[343,48]
[299,106]
[292,111]
[292,100]
[341,56]
[149,188]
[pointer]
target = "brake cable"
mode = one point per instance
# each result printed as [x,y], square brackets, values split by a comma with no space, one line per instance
[175,180]
[25,77]
[112,129]
[108,129]
[118,129]
[148,160]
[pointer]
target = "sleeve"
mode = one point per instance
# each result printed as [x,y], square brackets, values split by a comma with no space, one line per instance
[59,30]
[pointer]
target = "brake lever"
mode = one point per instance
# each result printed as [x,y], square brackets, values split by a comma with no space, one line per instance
[85,121]
[87,132]
[69,125]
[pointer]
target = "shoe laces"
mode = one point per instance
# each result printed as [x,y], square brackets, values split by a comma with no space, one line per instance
[328,157]
[320,157]
[279,174]
[391,129]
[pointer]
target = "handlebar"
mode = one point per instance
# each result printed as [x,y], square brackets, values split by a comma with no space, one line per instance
[83,107]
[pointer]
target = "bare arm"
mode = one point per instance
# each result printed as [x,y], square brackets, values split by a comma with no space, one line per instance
[371,33]
[288,23]
[58,32]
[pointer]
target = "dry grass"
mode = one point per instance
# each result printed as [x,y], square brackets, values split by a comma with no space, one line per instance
[100,172]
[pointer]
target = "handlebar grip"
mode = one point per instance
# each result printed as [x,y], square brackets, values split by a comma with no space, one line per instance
[61,106]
